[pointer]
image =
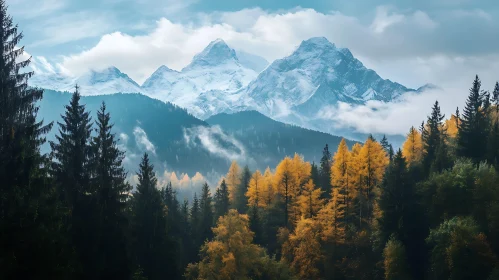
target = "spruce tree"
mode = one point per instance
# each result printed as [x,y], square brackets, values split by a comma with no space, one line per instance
[384,143]
[152,248]
[433,139]
[493,141]
[29,219]
[474,128]
[72,168]
[111,193]
[240,199]
[325,173]
[221,200]
[205,205]
[195,233]
[314,174]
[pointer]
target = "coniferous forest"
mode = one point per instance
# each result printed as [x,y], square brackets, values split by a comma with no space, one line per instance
[427,211]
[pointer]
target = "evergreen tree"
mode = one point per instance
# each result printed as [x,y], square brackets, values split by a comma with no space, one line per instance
[240,199]
[474,128]
[433,138]
[30,240]
[72,168]
[493,141]
[391,153]
[206,213]
[386,146]
[111,191]
[256,224]
[325,173]
[194,226]
[152,248]
[221,200]
[314,174]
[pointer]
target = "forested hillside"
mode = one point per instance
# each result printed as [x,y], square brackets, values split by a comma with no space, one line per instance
[427,211]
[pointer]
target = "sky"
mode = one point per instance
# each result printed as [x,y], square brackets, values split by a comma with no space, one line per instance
[444,42]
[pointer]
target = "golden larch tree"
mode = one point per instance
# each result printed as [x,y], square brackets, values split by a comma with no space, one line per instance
[373,161]
[301,171]
[284,181]
[343,174]
[233,179]
[269,190]
[255,192]
[412,149]
[310,200]
[332,218]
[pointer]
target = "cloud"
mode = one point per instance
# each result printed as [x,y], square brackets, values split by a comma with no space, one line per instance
[272,35]
[394,118]
[71,27]
[215,141]
[142,141]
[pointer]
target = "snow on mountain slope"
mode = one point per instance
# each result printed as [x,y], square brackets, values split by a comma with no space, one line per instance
[212,75]
[107,81]
[317,74]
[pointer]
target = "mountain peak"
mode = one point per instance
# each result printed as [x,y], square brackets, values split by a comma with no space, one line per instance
[216,53]
[321,42]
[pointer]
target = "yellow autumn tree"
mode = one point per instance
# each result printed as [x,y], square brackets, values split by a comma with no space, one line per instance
[231,254]
[332,217]
[301,171]
[310,200]
[285,183]
[302,250]
[451,125]
[412,149]
[255,192]
[373,161]
[233,179]
[343,174]
[269,190]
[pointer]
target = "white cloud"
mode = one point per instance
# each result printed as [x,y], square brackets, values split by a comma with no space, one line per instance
[142,141]
[394,118]
[384,19]
[71,27]
[215,141]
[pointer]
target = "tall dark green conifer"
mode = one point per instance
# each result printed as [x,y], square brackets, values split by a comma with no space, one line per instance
[434,144]
[493,141]
[72,168]
[29,220]
[474,129]
[240,199]
[206,207]
[111,194]
[152,248]
[194,226]
[314,174]
[221,200]
[325,173]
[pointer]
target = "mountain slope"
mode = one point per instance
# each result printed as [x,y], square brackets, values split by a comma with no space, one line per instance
[269,141]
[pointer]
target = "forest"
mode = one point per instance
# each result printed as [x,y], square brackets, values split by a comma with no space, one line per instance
[429,210]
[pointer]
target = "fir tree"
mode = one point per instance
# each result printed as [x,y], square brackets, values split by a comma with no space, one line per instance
[72,168]
[29,219]
[194,226]
[221,200]
[111,191]
[240,199]
[473,132]
[493,141]
[152,248]
[314,174]
[386,146]
[205,204]
[325,173]
[433,138]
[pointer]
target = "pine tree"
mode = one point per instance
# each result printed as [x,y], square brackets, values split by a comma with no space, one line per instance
[205,204]
[29,219]
[194,226]
[325,173]
[474,129]
[152,248]
[493,141]
[72,168]
[314,174]
[384,143]
[111,191]
[433,138]
[222,203]
[240,199]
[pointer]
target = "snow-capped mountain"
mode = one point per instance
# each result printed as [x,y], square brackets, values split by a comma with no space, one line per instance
[94,82]
[317,74]
[215,69]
